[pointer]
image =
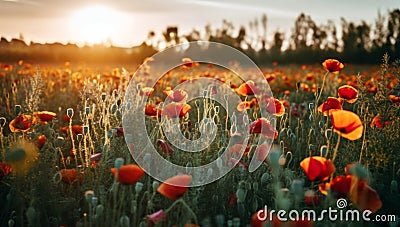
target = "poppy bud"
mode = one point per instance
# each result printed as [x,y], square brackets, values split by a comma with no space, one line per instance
[220,220]
[2,121]
[241,195]
[297,187]
[99,210]
[273,157]
[124,221]
[394,186]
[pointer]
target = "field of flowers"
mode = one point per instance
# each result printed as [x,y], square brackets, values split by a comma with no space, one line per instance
[65,162]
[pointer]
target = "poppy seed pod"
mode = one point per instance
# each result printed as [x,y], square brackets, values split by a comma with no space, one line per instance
[118,163]
[241,195]
[265,177]
[138,187]
[17,109]
[70,112]
[155,185]
[103,96]
[87,110]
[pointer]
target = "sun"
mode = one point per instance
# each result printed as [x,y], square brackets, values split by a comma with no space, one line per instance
[94,24]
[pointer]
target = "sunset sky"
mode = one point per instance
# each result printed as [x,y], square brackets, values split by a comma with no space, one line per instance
[127,22]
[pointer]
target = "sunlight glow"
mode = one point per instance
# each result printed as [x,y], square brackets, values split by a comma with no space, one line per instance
[95,24]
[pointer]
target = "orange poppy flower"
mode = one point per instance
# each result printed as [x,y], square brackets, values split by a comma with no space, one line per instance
[177,95]
[176,109]
[331,104]
[22,123]
[394,99]
[152,110]
[317,168]
[146,91]
[45,116]
[365,198]
[5,169]
[275,107]
[263,126]
[347,124]
[76,129]
[188,63]
[174,187]
[348,93]
[332,65]
[246,104]
[247,88]
[128,174]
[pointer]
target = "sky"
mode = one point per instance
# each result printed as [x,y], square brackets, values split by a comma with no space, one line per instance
[127,22]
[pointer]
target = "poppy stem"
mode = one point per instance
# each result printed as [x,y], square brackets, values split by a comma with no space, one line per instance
[185,205]
[322,89]
[336,149]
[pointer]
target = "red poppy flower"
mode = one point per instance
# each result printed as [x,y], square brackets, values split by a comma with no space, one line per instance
[45,116]
[365,198]
[275,107]
[262,152]
[146,91]
[76,129]
[5,169]
[348,93]
[22,123]
[176,109]
[311,199]
[174,187]
[347,124]
[263,126]
[155,218]
[166,148]
[331,104]
[394,99]
[332,65]
[69,175]
[317,168]
[128,174]
[41,140]
[377,122]
[247,88]
[152,110]
[119,131]
[177,95]
[232,200]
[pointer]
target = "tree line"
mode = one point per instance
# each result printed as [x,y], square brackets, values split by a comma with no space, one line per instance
[308,42]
